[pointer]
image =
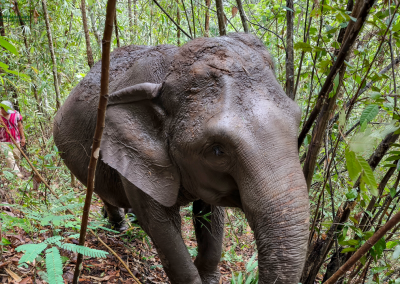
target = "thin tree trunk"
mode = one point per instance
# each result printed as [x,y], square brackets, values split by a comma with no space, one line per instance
[135,16]
[178,20]
[221,20]
[289,50]
[243,16]
[207,19]
[89,52]
[116,29]
[94,27]
[105,67]
[2,31]
[130,19]
[194,23]
[53,57]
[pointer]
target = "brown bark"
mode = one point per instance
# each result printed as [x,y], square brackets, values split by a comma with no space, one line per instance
[207,19]
[221,17]
[53,57]
[116,29]
[243,16]
[89,52]
[100,124]
[289,51]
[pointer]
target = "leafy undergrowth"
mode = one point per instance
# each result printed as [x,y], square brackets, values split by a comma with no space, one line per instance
[39,235]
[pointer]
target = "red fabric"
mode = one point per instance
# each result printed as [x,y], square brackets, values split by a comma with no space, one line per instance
[12,125]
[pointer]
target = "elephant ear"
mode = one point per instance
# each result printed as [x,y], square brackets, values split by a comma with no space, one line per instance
[133,143]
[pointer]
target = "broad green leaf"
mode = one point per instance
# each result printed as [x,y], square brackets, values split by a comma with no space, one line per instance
[393,192]
[368,175]
[353,166]
[303,46]
[347,250]
[342,117]
[378,248]
[369,113]
[353,242]
[352,194]
[11,48]
[3,66]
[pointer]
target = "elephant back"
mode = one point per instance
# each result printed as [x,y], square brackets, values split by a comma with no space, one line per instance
[75,121]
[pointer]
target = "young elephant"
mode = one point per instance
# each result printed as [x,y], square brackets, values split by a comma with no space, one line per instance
[206,123]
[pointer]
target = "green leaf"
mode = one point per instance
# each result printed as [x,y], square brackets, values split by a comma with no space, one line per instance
[396,253]
[368,175]
[250,263]
[353,242]
[84,250]
[11,48]
[3,66]
[369,113]
[54,266]
[353,166]
[393,192]
[31,251]
[379,247]
[352,194]
[347,250]
[303,46]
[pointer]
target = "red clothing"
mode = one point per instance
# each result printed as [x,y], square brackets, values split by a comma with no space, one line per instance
[12,125]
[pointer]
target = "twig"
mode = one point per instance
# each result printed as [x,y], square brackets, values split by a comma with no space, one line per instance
[101,116]
[155,1]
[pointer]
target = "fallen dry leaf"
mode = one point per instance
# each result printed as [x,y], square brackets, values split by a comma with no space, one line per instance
[13,275]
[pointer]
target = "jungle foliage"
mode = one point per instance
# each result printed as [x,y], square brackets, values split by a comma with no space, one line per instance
[348,142]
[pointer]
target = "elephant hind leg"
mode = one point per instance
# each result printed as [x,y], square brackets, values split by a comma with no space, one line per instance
[208,222]
[116,216]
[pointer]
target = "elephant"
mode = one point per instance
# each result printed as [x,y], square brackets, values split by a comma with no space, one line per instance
[208,123]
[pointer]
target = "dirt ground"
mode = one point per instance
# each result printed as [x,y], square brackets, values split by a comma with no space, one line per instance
[132,246]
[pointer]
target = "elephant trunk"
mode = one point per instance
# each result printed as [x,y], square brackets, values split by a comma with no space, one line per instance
[276,206]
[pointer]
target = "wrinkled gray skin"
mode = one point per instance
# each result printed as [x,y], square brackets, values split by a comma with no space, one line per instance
[206,122]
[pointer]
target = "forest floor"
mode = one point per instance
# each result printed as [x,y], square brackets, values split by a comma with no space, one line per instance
[133,246]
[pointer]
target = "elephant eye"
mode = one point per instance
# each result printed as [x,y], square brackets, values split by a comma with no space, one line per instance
[218,150]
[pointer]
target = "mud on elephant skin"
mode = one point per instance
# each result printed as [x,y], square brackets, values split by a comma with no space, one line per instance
[206,123]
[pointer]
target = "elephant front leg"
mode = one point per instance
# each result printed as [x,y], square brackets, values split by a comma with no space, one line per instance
[163,225]
[208,222]
[116,216]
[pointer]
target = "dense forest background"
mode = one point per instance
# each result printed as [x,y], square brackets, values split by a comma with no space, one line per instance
[337,59]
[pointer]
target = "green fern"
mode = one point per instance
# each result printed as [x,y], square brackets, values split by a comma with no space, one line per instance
[84,250]
[31,251]
[54,266]
[53,240]
[55,219]
[103,228]
[67,207]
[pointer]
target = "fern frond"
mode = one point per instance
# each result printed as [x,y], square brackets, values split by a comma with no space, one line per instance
[31,251]
[67,207]
[84,250]
[54,266]
[53,240]
[103,228]
[55,219]
[74,236]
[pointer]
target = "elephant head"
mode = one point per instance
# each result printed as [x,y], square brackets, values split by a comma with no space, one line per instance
[220,128]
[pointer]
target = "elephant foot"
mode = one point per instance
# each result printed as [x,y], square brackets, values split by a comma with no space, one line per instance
[119,226]
[210,278]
